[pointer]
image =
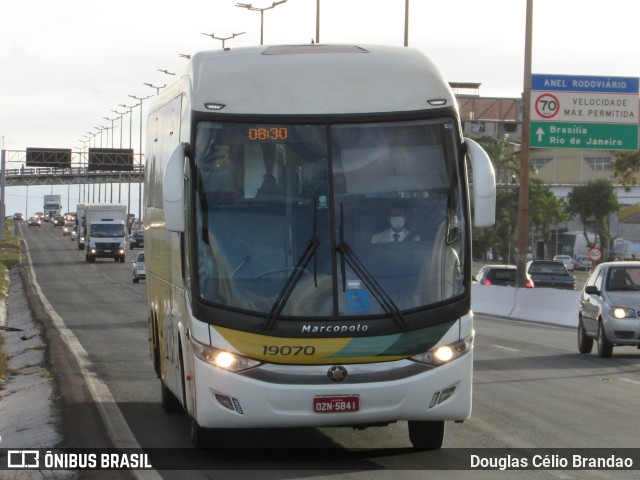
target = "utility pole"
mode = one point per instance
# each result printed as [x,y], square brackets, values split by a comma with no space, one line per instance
[523,204]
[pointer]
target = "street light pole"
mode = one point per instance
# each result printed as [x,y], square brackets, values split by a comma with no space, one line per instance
[140,99]
[100,129]
[406,23]
[112,127]
[224,39]
[250,7]
[317,21]
[120,114]
[130,137]
[154,86]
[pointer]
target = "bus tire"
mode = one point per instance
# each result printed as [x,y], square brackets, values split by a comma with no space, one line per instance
[170,403]
[426,435]
[205,437]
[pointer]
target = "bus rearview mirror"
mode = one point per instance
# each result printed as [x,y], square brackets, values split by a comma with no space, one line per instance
[484,185]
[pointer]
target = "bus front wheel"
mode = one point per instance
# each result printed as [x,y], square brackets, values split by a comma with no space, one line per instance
[426,435]
[170,403]
[205,437]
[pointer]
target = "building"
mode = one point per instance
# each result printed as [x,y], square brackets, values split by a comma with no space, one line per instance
[560,169]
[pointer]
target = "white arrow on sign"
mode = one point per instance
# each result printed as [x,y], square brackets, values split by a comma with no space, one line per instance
[540,133]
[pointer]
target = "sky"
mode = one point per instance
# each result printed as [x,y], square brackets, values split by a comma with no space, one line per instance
[67,64]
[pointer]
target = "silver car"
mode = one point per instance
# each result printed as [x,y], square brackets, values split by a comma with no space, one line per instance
[139,270]
[610,308]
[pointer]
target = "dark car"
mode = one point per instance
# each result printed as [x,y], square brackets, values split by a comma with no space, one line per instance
[551,274]
[34,222]
[610,308]
[57,220]
[503,275]
[18,216]
[136,240]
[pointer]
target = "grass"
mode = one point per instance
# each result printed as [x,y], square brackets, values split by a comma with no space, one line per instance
[9,257]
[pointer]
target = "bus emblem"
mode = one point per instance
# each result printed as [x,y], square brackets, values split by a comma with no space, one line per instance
[337,374]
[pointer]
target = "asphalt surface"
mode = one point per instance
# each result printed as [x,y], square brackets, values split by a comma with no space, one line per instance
[45,402]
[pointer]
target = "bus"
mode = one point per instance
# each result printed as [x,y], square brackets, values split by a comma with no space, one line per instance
[274,297]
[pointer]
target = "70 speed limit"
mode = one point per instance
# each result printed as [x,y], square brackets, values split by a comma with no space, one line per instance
[547,106]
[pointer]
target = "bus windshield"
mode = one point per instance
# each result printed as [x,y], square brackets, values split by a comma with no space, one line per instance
[329,220]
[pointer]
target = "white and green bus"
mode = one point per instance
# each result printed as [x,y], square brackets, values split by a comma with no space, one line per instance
[278,294]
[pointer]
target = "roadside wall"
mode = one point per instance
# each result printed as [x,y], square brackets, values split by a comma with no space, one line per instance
[544,305]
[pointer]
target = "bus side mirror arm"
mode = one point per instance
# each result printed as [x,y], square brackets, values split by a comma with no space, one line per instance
[173,190]
[484,185]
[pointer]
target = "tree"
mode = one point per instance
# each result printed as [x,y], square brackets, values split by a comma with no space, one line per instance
[545,209]
[506,165]
[625,168]
[594,202]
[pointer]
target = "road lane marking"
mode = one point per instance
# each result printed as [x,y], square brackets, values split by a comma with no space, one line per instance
[506,348]
[628,380]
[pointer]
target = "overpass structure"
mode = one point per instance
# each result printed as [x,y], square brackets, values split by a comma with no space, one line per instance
[18,173]
[81,175]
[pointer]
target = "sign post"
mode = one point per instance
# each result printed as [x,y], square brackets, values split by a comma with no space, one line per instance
[595,255]
[569,111]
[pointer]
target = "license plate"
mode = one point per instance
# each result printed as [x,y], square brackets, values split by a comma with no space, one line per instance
[107,251]
[345,403]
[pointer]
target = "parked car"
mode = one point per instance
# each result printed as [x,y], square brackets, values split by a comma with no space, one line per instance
[567,260]
[34,222]
[68,228]
[136,240]
[583,264]
[610,308]
[550,274]
[138,268]
[503,275]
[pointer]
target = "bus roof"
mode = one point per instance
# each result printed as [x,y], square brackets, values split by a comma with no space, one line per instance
[316,80]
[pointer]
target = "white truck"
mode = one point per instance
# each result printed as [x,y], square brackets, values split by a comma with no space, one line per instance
[80,225]
[104,226]
[52,206]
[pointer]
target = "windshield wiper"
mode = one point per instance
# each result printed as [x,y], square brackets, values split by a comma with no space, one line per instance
[294,277]
[380,295]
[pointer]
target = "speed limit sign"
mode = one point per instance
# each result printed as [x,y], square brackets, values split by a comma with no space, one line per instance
[595,254]
[547,106]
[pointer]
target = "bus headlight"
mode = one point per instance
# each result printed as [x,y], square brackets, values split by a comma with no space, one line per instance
[445,353]
[222,359]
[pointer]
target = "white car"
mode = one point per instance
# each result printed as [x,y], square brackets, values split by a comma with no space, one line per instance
[567,260]
[139,270]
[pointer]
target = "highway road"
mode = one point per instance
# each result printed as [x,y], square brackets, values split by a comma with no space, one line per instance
[531,390]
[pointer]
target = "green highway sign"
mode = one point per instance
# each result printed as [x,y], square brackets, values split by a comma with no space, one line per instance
[580,111]
[607,136]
